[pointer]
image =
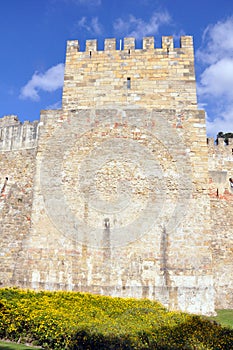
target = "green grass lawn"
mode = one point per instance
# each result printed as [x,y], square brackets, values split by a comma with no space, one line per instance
[224,317]
[14,346]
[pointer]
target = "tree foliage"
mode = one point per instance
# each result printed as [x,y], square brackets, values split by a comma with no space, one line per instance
[225,136]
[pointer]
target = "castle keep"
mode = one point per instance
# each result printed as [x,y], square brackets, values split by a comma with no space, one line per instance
[118,192]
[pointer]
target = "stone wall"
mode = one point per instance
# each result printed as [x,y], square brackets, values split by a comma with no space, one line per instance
[114,197]
[17,167]
[221,199]
[117,193]
[148,77]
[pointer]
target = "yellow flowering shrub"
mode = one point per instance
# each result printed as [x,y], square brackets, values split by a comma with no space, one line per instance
[72,320]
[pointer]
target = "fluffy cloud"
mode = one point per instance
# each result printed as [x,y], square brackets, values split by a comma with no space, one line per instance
[223,121]
[215,86]
[49,81]
[91,26]
[217,42]
[137,27]
[217,79]
[56,105]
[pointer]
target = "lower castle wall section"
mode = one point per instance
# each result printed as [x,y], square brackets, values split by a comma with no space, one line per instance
[16,193]
[121,207]
[221,194]
[18,146]
[222,245]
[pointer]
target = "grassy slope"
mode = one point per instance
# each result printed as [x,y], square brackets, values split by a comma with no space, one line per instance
[224,317]
[14,346]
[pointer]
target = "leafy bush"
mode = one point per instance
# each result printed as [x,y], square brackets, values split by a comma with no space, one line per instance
[71,320]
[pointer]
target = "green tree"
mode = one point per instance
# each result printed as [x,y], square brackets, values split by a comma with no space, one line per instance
[225,136]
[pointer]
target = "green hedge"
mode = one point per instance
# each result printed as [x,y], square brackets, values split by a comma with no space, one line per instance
[71,320]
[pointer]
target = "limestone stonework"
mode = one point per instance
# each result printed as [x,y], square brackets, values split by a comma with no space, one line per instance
[118,192]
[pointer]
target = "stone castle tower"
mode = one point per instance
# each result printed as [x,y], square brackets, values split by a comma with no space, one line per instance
[118,193]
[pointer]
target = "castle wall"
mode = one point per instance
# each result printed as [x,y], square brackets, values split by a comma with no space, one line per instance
[17,166]
[113,212]
[152,77]
[117,193]
[221,195]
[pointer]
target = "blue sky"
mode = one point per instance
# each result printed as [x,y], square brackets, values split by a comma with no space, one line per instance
[33,35]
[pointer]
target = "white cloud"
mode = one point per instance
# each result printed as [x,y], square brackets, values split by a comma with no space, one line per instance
[91,26]
[137,27]
[49,81]
[56,105]
[217,79]
[217,42]
[215,87]
[223,121]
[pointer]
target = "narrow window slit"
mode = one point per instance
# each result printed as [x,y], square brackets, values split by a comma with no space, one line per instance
[128,83]
[231,182]
[4,186]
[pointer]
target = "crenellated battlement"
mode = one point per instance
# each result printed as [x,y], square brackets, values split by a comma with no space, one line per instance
[123,75]
[219,142]
[219,147]
[8,120]
[128,43]
[15,135]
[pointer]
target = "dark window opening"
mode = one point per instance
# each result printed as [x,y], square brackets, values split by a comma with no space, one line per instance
[128,83]
[4,185]
[231,182]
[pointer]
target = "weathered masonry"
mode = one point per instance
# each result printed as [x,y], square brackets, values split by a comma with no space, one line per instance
[118,192]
